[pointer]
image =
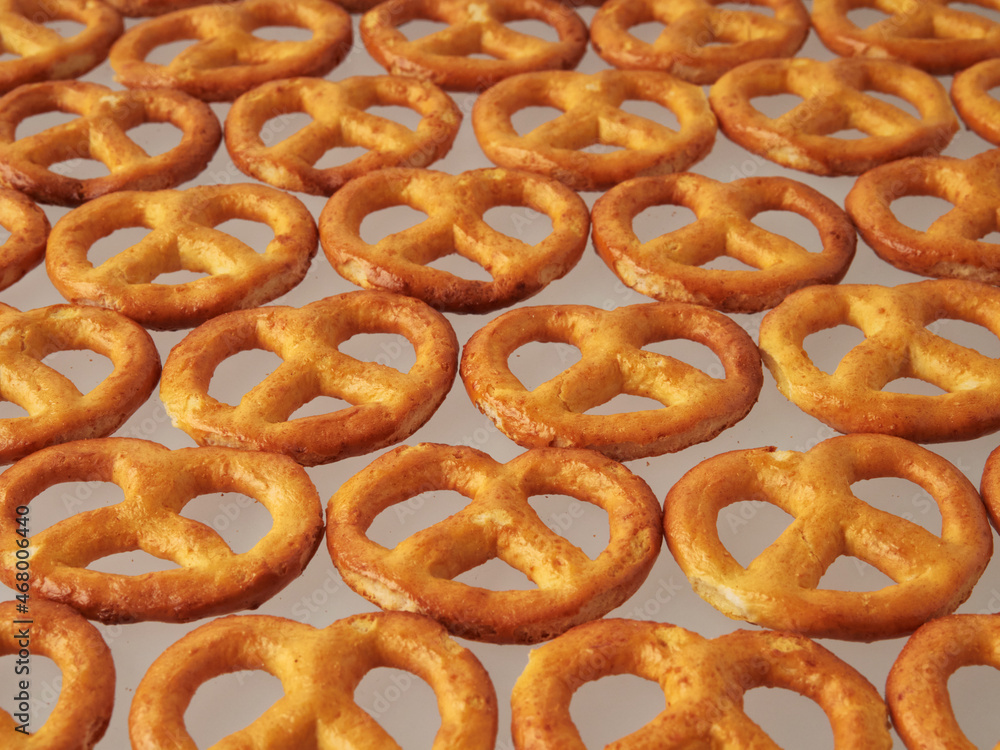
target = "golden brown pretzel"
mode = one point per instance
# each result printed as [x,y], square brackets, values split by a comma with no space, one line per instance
[56,410]
[932,35]
[699,41]
[703,680]
[696,405]
[990,486]
[498,522]
[340,118]
[29,229]
[386,405]
[455,207]
[952,246]
[227,59]
[319,671]
[144,8]
[917,688]
[210,578]
[899,343]
[445,56]
[183,236]
[834,98]
[87,686]
[100,132]
[592,115]
[970,93]
[671,266]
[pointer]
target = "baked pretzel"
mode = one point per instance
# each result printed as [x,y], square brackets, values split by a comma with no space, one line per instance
[932,35]
[917,687]
[100,132]
[898,344]
[183,236]
[696,405]
[41,52]
[226,58]
[671,266]
[157,483]
[952,246]
[781,588]
[970,93]
[28,227]
[319,671]
[592,115]
[834,99]
[386,405]
[498,522]
[703,680]
[699,40]
[144,8]
[56,410]
[455,206]
[87,687]
[340,119]
[445,57]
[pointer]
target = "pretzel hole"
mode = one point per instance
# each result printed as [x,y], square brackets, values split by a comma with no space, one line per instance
[319,406]
[584,524]
[690,352]
[118,241]
[747,527]
[240,520]
[658,220]
[283,33]
[527,119]
[339,156]
[787,716]
[989,12]
[496,575]
[156,138]
[776,105]
[612,707]
[80,168]
[896,101]
[966,687]
[283,126]
[254,234]
[401,703]
[902,498]
[164,54]
[624,403]
[378,225]
[237,374]
[919,211]
[418,28]
[533,27]
[228,703]
[43,121]
[913,386]
[405,116]
[10,410]
[400,520]
[652,111]
[848,573]
[45,685]
[791,225]
[65,27]
[387,349]
[520,222]
[863,17]
[827,347]
[647,31]
[968,334]
[85,368]
[460,266]
[131,563]
[538,362]
[66,499]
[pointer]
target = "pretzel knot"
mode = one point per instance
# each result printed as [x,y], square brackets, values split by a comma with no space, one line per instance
[834,99]
[384,404]
[28,229]
[157,484]
[970,92]
[319,671]
[227,59]
[703,681]
[455,208]
[184,235]
[32,164]
[339,119]
[781,588]
[900,342]
[498,522]
[87,688]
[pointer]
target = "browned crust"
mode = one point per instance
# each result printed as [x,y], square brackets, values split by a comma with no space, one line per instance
[970,93]
[29,230]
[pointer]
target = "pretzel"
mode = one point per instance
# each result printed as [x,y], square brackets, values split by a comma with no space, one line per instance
[970,93]
[592,115]
[210,578]
[671,266]
[444,57]
[183,236]
[932,35]
[29,229]
[696,405]
[31,163]
[144,8]
[340,118]
[56,410]
[899,343]
[386,405]
[699,41]
[455,207]
[834,99]
[87,686]
[319,671]
[917,687]
[952,246]
[416,575]
[227,59]
[703,681]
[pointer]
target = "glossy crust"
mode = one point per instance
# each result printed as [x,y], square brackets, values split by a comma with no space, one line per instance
[592,115]
[100,132]
[227,59]
[703,680]
[340,119]
[899,343]
[672,265]
[183,236]
[157,483]
[834,99]
[917,688]
[978,108]
[28,227]
[417,574]
[455,207]
[698,41]
[319,670]
[696,405]
[386,405]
